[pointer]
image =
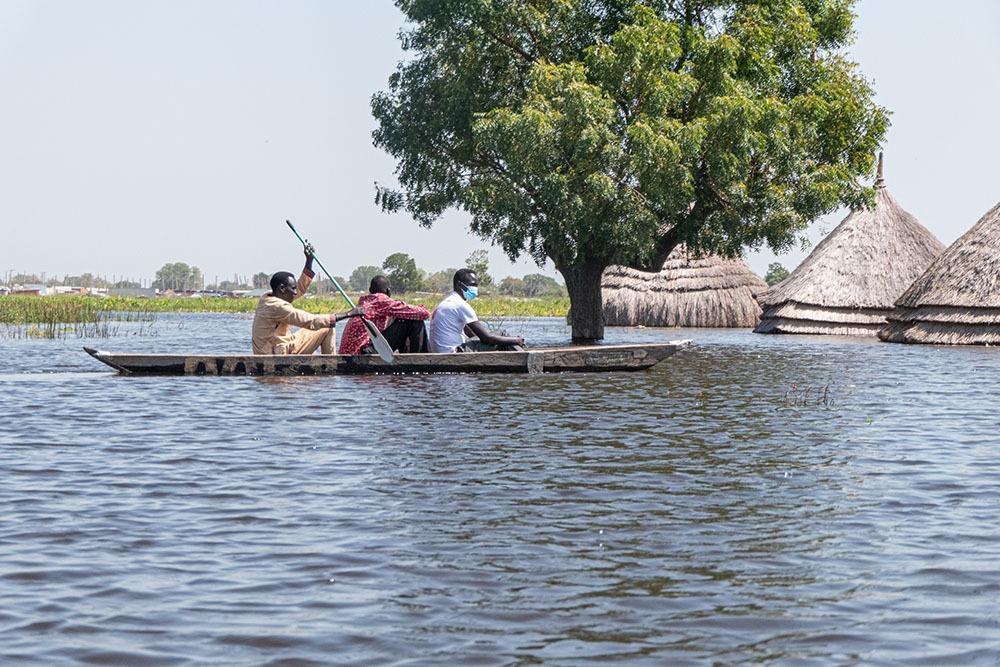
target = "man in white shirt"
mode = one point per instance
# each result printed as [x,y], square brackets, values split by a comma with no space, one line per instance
[454,321]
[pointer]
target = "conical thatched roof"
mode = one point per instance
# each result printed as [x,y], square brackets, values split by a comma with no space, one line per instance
[851,280]
[690,291]
[957,299]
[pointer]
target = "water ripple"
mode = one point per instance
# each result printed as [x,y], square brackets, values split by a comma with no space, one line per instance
[757,499]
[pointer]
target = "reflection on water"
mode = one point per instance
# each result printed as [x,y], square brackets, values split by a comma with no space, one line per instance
[757,498]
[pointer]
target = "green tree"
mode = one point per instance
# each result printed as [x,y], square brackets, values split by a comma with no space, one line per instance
[402,270]
[511,286]
[362,276]
[479,262]
[261,280]
[178,276]
[84,280]
[439,281]
[598,132]
[324,286]
[536,284]
[775,273]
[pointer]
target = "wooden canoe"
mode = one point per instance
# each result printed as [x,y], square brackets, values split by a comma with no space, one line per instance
[595,358]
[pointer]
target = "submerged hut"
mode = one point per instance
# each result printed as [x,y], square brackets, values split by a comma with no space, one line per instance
[957,300]
[689,291]
[851,280]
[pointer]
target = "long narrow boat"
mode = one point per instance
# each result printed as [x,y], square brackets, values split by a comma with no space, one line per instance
[595,358]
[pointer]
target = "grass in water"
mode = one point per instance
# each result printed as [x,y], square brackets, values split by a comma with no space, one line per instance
[490,306]
[64,316]
[101,317]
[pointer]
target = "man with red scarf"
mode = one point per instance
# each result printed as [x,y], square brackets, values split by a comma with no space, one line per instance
[402,324]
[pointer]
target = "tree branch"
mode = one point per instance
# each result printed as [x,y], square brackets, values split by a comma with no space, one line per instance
[511,44]
[665,244]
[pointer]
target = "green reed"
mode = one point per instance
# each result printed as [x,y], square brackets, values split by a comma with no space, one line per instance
[66,316]
[488,306]
[101,317]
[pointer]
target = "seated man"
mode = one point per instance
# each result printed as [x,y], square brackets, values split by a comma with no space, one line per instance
[275,316]
[454,321]
[401,323]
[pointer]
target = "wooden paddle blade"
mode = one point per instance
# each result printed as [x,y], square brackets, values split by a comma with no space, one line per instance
[379,341]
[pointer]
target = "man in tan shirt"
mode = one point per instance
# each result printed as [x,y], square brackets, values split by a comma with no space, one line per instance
[275,317]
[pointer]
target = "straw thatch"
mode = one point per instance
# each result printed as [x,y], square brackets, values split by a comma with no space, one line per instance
[957,300]
[690,291]
[849,283]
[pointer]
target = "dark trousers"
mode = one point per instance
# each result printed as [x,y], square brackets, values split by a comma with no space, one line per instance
[405,336]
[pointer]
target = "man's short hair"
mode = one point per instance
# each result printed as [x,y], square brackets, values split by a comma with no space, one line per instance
[280,278]
[379,285]
[462,276]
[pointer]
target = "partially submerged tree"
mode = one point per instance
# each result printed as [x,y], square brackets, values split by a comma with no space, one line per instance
[599,132]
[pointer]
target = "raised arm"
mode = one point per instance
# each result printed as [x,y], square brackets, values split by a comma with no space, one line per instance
[305,279]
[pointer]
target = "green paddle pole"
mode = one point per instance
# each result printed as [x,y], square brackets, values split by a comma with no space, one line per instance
[333,280]
[378,340]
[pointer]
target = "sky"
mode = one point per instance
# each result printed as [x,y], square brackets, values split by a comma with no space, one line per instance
[138,133]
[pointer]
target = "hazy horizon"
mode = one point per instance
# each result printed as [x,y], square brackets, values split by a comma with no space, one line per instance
[136,134]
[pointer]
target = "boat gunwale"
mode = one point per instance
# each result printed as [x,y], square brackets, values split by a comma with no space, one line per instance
[574,358]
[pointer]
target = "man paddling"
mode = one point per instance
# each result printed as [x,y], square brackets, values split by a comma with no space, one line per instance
[454,322]
[401,323]
[275,317]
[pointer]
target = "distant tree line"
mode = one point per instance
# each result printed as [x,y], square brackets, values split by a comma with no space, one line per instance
[406,276]
[88,280]
[401,269]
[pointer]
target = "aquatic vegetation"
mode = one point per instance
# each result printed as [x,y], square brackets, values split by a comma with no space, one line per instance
[102,317]
[804,396]
[66,306]
[65,316]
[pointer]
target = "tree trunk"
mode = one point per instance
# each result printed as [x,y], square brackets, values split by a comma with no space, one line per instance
[583,282]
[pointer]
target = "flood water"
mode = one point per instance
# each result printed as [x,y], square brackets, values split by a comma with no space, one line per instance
[764,499]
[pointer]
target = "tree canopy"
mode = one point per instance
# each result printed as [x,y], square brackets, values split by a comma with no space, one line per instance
[178,276]
[362,276]
[261,280]
[402,271]
[479,261]
[598,132]
[776,272]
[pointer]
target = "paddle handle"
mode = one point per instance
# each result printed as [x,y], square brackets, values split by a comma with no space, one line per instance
[320,264]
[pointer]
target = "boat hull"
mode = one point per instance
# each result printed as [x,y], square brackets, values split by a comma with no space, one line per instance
[595,358]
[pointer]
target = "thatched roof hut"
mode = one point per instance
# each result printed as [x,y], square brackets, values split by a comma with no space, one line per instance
[689,291]
[957,299]
[851,280]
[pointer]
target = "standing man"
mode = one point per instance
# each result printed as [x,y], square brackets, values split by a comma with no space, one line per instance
[454,321]
[275,316]
[401,323]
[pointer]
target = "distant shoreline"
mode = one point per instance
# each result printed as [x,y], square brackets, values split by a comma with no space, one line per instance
[489,306]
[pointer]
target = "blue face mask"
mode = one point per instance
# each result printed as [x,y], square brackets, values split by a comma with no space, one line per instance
[470,292]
